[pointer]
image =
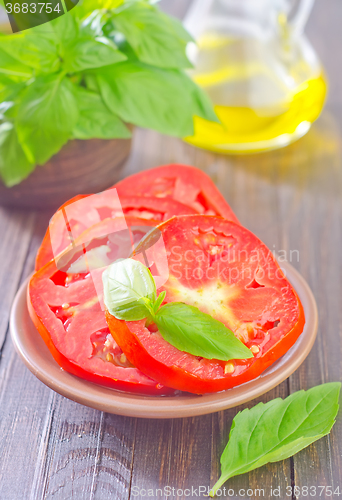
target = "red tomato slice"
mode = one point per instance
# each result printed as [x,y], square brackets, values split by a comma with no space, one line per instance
[185,184]
[224,270]
[100,207]
[66,311]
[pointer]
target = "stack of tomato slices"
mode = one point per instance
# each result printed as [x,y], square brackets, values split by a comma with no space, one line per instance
[214,264]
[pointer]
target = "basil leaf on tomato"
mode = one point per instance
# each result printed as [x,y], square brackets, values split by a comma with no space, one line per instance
[278,429]
[95,119]
[159,301]
[156,38]
[190,330]
[126,283]
[47,114]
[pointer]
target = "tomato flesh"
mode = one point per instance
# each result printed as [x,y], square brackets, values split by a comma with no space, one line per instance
[226,271]
[183,183]
[65,309]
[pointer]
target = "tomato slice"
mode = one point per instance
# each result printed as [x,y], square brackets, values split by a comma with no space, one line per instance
[100,207]
[185,184]
[226,271]
[66,311]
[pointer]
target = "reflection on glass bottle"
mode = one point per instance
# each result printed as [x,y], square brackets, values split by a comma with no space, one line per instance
[260,71]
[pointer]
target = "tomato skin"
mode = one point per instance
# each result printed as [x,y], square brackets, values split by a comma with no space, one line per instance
[193,192]
[146,208]
[74,369]
[185,381]
[43,293]
[45,254]
[171,367]
[183,183]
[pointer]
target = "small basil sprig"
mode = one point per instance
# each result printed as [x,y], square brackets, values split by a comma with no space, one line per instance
[130,294]
[129,289]
[278,429]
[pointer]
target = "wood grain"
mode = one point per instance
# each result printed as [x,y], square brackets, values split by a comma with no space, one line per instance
[52,448]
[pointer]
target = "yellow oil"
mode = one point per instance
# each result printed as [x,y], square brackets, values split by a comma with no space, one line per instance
[248,129]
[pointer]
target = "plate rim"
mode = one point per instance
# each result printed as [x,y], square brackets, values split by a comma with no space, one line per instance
[135,405]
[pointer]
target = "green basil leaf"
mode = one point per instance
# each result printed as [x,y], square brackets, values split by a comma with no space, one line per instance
[156,38]
[95,120]
[64,28]
[125,284]
[159,301]
[164,100]
[12,68]
[278,429]
[86,53]
[46,116]
[14,166]
[193,331]
[9,89]
[93,25]
[39,52]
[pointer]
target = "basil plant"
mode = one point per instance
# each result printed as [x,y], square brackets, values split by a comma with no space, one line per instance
[89,73]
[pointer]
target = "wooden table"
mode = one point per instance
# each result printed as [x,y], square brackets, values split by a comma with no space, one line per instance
[53,448]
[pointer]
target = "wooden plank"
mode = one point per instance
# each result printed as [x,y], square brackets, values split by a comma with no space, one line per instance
[25,404]
[88,454]
[24,401]
[245,181]
[310,212]
[63,449]
[152,457]
[16,231]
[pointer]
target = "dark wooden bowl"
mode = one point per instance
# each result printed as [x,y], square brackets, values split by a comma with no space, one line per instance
[81,167]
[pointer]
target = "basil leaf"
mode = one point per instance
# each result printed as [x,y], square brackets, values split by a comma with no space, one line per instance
[156,38]
[94,24]
[60,31]
[46,116]
[95,120]
[9,89]
[125,284]
[39,52]
[159,301]
[12,68]
[193,331]
[278,429]
[64,28]
[164,100]
[14,166]
[86,53]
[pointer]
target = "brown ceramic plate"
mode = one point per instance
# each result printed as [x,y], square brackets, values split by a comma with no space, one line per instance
[38,359]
